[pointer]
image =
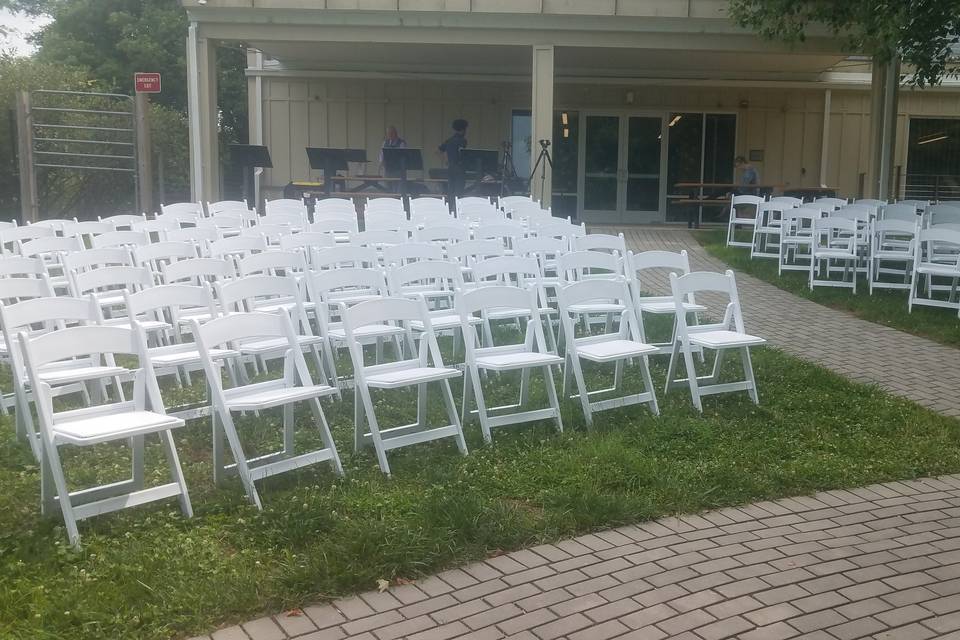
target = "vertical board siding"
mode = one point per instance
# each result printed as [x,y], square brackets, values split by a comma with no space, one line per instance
[786,125]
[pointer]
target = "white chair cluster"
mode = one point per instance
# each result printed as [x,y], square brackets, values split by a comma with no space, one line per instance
[912,245]
[221,290]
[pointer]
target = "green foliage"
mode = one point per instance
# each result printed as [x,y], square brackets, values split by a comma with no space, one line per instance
[886,306]
[923,32]
[149,574]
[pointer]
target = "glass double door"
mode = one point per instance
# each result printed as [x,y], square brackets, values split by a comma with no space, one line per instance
[623,161]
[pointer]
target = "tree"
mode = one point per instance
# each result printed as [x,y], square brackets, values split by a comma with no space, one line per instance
[924,33]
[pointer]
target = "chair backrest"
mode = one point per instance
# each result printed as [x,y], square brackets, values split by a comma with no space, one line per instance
[469,252]
[833,203]
[939,245]
[402,254]
[286,205]
[123,221]
[413,277]
[941,214]
[271,232]
[599,242]
[19,289]
[871,202]
[331,284]
[799,222]
[518,270]
[94,258]
[344,256]
[434,217]
[191,208]
[296,219]
[306,240]
[481,214]
[11,238]
[754,201]
[155,302]
[200,235]
[238,246]
[49,246]
[159,226]
[324,205]
[472,201]
[837,231]
[335,225]
[540,246]
[153,255]
[918,205]
[14,266]
[214,208]
[444,236]
[579,265]
[390,311]
[386,220]
[198,270]
[636,263]
[707,282]
[335,213]
[508,202]
[272,263]
[41,315]
[86,228]
[860,213]
[249,293]
[588,291]
[110,278]
[379,238]
[477,303]
[560,229]
[120,239]
[383,204]
[785,201]
[899,211]
[890,234]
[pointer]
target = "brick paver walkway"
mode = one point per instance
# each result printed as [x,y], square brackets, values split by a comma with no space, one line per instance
[878,562]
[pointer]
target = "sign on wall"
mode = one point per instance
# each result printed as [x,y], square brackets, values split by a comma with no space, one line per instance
[146,82]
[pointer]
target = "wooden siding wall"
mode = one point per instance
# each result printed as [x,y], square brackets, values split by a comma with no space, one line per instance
[355,114]
[786,124]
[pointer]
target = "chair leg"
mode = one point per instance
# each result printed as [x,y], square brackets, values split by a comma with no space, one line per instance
[374,427]
[422,406]
[136,450]
[524,387]
[321,421]
[63,493]
[476,390]
[648,383]
[288,430]
[582,387]
[552,395]
[453,417]
[176,472]
[748,373]
[240,458]
[692,378]
[672,367]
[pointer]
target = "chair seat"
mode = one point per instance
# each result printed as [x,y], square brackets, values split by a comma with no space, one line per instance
[506,313]
[286,305]
[669,307]
[110,299]
[769,229]
[351,299]
[597,307]
[948,270]
[441,322]
[406,377]
[834,253]
[520,360]
[610,350]
[185,355]
[149,326]
[66,374]
[721,339]
[199,316]
[268,398]
[367,331]
[104,428]
[893,255]
[258,347]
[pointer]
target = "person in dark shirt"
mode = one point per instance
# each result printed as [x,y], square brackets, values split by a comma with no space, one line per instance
[455,172]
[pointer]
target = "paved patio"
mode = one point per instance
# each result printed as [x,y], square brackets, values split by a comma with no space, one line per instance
[876,562]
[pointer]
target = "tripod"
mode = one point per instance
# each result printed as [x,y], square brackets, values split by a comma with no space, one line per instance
[540,164]
[507,162]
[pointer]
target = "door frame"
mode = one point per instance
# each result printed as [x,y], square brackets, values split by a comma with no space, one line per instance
[621,215]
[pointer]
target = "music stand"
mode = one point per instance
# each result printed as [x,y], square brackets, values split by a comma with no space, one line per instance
[250,157]
[329,161]
[399,161]
[482,161]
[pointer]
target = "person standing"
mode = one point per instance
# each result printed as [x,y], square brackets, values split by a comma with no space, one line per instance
[456,176]
[749,176]
[391,141]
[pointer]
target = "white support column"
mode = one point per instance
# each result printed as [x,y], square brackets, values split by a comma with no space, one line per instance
[542,124]
[885,91]
[825,140]
[203,116]
[255,114]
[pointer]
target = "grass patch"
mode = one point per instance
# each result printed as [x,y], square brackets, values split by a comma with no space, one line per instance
[150,574]
[886,306]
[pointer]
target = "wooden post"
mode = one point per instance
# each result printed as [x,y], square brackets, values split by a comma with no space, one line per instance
[29,208]
[144,152]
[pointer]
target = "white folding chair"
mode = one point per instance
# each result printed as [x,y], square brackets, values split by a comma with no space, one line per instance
[419,371]
[379,239]
[125,420]
[123,221]
[892,242]
[796,239]
[936,258]
[402,254]
[648,263]
[12,237]
[97,259]
[743,217]
[768,229]
[51,251]
[36,316]
[720,337]
[238,246]
[295,386]
[470,252]
[344,256]
[615,345]
[198,271]
[529,354]
[20,267]
[517,271]
[86,229]
[200,235]
[155,256]
[835,240]
[832,203]
[602,242]
[900,211]
[107,285]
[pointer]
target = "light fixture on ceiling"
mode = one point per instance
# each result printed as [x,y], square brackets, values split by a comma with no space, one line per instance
[564,118]
[936,137]
[675,120]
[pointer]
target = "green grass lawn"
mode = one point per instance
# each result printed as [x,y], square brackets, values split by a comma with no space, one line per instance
[148,573]
[886,306]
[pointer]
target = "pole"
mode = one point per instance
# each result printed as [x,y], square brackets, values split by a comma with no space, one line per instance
[144,152]
[29,208]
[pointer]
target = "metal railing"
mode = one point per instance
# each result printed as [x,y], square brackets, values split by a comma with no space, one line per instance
[933,187]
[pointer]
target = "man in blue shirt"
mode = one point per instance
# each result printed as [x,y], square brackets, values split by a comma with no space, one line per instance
[749,177]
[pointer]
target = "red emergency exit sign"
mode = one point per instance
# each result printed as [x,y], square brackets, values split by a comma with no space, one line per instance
[146,82]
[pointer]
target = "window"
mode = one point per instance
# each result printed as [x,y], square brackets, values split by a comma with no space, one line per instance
[933,159]
[701,148]
[563,152]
